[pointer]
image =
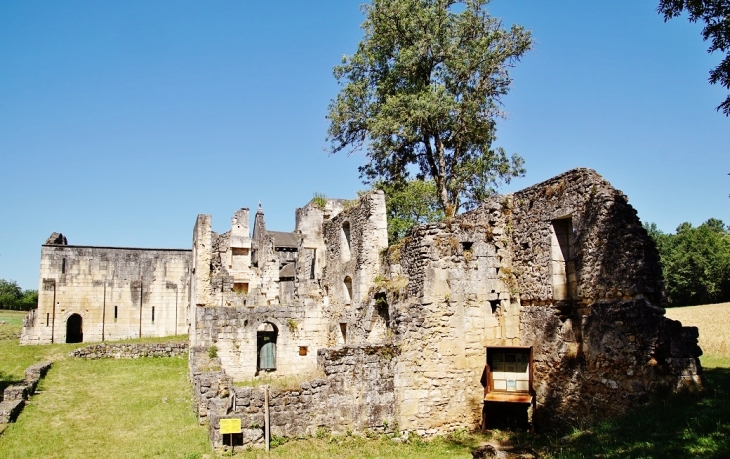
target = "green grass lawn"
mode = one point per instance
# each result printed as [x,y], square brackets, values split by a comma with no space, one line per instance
[100,408]
[139,408]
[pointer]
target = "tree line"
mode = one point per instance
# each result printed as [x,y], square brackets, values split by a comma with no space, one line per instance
[14,297]
[695,262]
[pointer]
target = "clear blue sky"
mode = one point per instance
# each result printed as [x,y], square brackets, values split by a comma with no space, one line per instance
[121,121]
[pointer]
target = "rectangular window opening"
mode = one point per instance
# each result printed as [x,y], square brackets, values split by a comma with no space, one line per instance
[240,287]
[562,267]
[48,319]
[63,266]
[302,350]
[115,313]
[495,307]
[153,314]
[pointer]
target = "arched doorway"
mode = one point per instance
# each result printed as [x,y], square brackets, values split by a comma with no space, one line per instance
[74,329]
[266,346]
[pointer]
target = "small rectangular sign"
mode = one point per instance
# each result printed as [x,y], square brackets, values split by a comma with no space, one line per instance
[230,426]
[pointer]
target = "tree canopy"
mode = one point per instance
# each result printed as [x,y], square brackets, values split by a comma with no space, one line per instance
[716,16]
[409,205]
[422,95]
[695,262]
[13,297]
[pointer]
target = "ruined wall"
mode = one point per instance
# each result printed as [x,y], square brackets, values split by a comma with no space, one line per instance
[131,351]
[98,283]
[234,333]
[353,393]
[354,241]
[619,356]
[614,257]
[563,266]
[312,248]
[457,301]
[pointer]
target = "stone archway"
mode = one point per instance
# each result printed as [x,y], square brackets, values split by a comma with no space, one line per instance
[74,329]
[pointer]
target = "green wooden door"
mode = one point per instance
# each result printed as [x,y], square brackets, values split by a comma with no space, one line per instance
[267,350]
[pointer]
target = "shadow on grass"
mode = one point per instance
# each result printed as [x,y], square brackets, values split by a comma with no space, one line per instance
[5,381]
[688,425]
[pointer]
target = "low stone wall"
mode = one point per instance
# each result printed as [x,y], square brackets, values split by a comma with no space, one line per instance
[15,396]
[131,351]
[356,394]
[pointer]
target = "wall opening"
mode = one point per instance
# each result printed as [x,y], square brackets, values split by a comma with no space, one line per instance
[302,350]
[116,313]
[380,320]
[240,287]
[345,236]
[348,289]
[153,314]
[343,332]
[74,329]
[63,266]
[266,336]
[495,306]
[562,266]
[48,318]
[313,264]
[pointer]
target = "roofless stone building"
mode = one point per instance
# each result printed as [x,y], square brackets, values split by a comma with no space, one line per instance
[556,288]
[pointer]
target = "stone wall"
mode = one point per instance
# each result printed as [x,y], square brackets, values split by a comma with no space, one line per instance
[131,351]
[118,293]
[14,397]
[354,393]
[563,266]
[614,257]
[301,330]
[355,239]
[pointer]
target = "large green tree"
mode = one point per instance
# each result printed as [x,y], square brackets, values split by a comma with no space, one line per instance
[422,95]
[716,16]
[13,297]
[695,262]
[409,205]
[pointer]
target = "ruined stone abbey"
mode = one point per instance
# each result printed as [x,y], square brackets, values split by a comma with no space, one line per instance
[548,299]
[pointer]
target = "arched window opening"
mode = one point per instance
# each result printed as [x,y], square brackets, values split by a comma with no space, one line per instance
[266,344]
[74,329]
[348,289]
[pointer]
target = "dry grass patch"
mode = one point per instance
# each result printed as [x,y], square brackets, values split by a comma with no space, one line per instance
[713,320]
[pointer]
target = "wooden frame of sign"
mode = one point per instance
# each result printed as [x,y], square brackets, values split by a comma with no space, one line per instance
[508,374]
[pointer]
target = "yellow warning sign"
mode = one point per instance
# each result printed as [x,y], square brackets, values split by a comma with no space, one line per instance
[230,426]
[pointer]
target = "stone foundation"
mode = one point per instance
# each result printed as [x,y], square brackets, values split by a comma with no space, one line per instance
[355,394]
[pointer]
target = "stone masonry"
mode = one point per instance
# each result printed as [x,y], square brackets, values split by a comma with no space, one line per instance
[89,294]
[369,336]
